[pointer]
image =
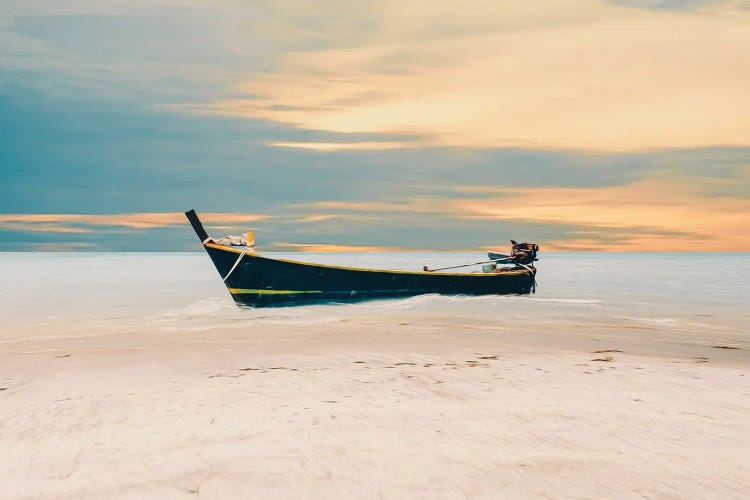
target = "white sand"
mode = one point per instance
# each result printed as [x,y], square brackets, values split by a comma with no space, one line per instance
[424,410]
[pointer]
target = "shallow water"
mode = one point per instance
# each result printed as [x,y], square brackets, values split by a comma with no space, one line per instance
[87,294]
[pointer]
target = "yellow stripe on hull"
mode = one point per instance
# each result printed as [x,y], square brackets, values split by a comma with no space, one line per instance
[239,291]
[394,271]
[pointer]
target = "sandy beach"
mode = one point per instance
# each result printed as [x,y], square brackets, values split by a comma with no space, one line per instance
[408,408]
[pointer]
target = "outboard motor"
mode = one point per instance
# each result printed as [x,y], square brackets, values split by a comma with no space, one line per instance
[524,253]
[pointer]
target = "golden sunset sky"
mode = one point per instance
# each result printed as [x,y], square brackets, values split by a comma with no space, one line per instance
[359,125]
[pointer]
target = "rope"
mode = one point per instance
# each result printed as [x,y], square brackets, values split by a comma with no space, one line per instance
[533,276]
[235,265]
[497,261]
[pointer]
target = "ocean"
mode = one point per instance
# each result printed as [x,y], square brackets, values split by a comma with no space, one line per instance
[51,295]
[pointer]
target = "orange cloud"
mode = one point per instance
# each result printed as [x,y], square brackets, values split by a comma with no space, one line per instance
[144,220]
[320,217]
[62,246]
[322,247]
[41,228]
[651,215]
[645,216]
[583,74]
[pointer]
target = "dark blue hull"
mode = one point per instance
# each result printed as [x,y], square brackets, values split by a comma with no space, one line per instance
[259,281]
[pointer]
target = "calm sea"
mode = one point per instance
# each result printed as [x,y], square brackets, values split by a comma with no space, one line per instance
[75,294]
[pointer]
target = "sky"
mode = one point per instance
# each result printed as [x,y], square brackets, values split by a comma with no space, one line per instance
[352,125]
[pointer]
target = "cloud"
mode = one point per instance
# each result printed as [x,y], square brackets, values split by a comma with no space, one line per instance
[323,247]
[33,226]
[320,217]
[154,51]
[75,157]
[664,4]
[645,215]
[559,74]
[416,205]
[68,222]
[344,146]
[583,75]
[62,246]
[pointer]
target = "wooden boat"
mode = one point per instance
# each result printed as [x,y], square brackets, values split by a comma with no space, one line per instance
[259,281]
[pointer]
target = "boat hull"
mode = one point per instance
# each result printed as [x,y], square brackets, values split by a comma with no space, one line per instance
[259,281]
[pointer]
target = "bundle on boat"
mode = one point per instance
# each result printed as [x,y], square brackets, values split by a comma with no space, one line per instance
[232,240]
[256,280]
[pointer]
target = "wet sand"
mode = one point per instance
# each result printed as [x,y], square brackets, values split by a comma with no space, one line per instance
[412,409]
